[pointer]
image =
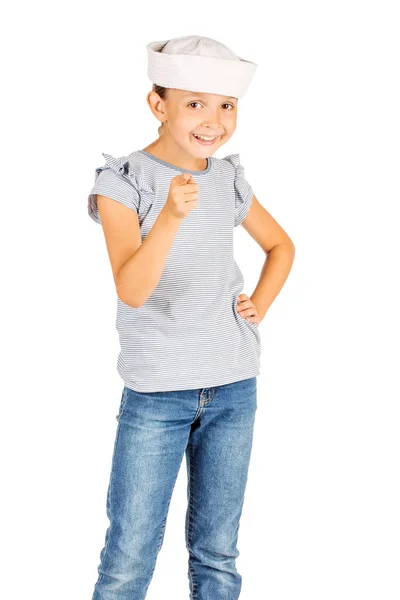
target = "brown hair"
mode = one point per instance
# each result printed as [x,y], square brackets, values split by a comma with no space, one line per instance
[162,92]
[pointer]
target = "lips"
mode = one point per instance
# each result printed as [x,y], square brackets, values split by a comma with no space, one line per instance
[206,142]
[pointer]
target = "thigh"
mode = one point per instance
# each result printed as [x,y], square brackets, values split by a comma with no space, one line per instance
[152,434]
[218,457]
[153,430]
[150,442]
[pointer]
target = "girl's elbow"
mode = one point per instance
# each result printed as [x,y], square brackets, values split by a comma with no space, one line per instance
[133,302]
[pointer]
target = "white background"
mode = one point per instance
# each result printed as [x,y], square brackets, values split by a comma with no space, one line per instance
[318,135]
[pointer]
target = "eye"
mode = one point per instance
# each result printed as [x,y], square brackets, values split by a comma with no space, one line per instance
[225,104]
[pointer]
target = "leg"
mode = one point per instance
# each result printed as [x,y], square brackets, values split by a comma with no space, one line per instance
[152,434]
[217,459]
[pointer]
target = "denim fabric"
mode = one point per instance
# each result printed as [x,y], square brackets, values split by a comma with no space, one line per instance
[213,427]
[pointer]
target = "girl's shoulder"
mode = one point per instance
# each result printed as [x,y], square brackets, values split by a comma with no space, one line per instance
[131,167]
[122,178]
[232,163]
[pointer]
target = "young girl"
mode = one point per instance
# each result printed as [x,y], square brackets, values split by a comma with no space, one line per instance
[190,344]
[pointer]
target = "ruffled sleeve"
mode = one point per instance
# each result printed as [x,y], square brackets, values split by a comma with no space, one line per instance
[118,181]
[243,190]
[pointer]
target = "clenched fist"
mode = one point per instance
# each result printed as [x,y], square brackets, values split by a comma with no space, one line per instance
[183,194]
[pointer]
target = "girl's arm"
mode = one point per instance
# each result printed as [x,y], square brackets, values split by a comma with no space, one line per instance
[137,266]
[135,277]
[140,274]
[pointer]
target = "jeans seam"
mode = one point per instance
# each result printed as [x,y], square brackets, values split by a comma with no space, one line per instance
[165,518]
[212,394]
[163,527]
[109,494]
[189,525]
[159,545]
[122,407]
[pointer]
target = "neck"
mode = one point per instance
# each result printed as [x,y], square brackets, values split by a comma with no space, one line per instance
[167,150]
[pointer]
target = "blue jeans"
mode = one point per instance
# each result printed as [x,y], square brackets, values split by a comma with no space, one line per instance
[214,428]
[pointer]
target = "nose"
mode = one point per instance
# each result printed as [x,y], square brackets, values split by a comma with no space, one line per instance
[212,121]
[212,127]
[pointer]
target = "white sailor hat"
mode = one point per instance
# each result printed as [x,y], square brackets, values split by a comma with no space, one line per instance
[199,64]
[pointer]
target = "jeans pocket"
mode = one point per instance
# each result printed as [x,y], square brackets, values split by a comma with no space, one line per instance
[122,404]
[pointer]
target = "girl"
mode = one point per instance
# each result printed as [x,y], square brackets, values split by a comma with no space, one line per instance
[190,344]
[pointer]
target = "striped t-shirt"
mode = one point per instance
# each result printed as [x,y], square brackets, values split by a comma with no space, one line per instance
[188,334]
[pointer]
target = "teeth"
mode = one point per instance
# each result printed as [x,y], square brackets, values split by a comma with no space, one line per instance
[203,137]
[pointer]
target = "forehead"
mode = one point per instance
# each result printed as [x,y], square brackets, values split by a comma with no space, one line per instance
[183,94]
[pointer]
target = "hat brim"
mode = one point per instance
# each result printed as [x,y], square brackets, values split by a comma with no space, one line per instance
[199,73]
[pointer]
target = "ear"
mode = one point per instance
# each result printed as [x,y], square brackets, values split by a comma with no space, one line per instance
[157,105]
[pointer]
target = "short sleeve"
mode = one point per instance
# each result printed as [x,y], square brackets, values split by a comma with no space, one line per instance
[243,190]
[113,180]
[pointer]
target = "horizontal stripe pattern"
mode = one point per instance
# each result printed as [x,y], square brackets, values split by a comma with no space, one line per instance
[188,333]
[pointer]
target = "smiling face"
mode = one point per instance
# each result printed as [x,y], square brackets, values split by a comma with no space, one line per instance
[186,113]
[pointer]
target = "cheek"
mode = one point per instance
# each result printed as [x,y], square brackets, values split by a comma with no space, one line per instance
[180,132]
[185,124]
[230,122]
